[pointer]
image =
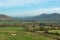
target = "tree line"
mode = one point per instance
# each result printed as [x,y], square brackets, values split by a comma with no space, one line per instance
[31,26]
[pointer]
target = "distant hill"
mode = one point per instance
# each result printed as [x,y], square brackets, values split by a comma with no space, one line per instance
[54,17]
[6,18]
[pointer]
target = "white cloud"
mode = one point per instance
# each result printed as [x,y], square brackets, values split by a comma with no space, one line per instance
[50,10]
[41,11]
[34,12]
[9,3]
[12,3]
[37,12]
[18,2]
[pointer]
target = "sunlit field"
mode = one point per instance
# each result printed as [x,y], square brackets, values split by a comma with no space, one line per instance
[6,34]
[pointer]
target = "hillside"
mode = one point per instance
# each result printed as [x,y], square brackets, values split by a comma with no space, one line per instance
[54,17]
[6,18]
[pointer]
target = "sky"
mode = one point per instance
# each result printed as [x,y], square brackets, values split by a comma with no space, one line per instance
[29,7]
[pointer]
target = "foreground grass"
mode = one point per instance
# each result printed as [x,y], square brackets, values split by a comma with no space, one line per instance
[21,35]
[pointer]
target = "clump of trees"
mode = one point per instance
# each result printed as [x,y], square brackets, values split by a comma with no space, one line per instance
[32,27]
[28,28]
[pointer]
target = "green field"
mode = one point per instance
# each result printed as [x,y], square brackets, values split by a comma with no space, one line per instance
[20,34]
[54,31]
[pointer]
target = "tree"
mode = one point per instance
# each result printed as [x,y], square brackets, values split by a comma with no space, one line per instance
[29,28]
[42,28]
[36,27]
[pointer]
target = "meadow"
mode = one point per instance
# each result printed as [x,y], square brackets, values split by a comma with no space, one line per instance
[29,31]
[6,34]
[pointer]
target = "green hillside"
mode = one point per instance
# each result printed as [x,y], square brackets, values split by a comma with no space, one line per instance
[54,17]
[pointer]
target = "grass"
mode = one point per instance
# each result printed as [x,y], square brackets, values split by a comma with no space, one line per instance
[55,31]
[12,28]
[21,35]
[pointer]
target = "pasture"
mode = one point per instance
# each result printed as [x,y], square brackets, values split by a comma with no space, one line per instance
[6,34]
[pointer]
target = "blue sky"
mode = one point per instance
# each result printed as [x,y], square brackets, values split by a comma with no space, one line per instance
[28,7]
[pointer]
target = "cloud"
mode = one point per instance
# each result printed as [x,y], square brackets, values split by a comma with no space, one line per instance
[42,11]
[18,2]
[34,12]
[12,3]
[37,12]
[30,7]
[50,10]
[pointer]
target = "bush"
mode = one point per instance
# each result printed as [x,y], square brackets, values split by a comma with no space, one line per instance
[29,28]
[36,27]
[42,28]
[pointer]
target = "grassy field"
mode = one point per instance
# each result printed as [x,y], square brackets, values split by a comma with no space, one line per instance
[54,31]
[12,28]
[20,34]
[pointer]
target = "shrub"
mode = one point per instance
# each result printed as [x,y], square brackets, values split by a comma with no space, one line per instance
[42,28]
[29,28]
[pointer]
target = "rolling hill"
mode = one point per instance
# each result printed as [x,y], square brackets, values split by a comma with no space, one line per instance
[6,18]
[54,17]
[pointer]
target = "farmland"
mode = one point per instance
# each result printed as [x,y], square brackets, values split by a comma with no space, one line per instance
[15,29]
[21,34]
